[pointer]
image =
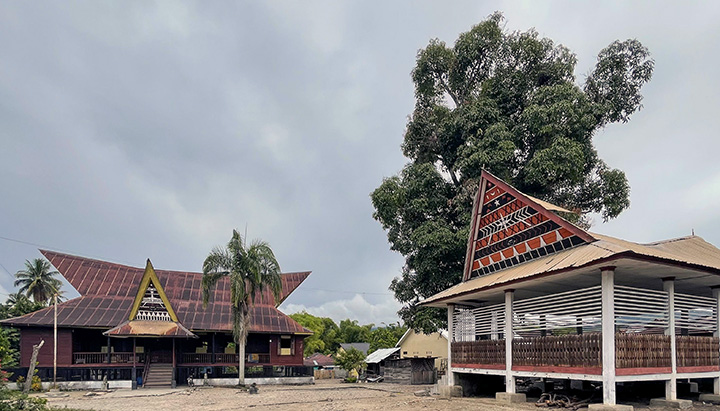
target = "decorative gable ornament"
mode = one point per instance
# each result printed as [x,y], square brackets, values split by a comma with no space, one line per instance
[151,303]
[510,228]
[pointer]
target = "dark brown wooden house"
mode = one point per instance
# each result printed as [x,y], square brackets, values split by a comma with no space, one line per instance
[149,326]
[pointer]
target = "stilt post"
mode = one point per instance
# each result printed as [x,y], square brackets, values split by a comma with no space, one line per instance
[608,334]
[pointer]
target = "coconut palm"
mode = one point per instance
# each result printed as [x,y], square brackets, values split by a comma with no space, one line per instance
[250,269]
[38,280]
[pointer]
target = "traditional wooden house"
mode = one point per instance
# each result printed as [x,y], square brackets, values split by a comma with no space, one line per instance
[543,298]
[133,324]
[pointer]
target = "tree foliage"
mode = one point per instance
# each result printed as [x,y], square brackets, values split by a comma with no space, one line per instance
[352,359]
[38,280]
[327,335]
[17,304]
[507,102]
[250,268]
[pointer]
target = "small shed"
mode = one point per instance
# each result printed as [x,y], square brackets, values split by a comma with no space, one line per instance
[376,360]
[410,371]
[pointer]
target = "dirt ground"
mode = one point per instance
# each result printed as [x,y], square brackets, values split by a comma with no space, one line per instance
[325,395]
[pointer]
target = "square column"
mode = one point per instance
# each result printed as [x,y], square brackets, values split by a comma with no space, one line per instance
[608,334]
[509,378]
[716,294]
[451,337]
[671,384]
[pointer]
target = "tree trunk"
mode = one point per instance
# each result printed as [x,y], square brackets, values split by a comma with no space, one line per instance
[31,370]
[241,357]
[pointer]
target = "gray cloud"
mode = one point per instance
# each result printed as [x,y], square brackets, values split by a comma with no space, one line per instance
[136,130]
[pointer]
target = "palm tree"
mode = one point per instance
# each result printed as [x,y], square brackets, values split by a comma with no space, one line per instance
[37,280]
[251,269]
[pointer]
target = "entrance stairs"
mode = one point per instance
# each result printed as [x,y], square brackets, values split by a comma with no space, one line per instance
[159,375]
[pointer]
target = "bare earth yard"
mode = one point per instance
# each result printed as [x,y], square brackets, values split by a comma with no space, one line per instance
[324,395]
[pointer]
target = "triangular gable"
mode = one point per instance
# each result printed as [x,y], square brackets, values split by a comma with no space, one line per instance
[151,303]
[509,228]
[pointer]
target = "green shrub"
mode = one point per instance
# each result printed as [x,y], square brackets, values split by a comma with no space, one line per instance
[15,400]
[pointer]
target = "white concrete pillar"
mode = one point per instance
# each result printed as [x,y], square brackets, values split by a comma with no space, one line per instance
[494,325]
[671,384]
[716,294]
[509,378]
[451,338]
[608,334]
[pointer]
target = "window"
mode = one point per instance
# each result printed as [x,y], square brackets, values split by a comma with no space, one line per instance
[285,345]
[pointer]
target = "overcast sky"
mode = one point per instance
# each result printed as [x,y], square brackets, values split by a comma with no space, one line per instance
[134,130]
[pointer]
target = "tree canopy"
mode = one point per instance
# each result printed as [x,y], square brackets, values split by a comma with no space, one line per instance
[251,268]
[38,280]
[507,102]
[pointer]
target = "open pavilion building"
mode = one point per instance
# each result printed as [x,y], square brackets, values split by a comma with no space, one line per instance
[133,325]
[543,298]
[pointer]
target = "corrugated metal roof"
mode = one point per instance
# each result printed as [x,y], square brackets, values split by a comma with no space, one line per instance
[150,328]
[108,291]
[691,251]
[381,354]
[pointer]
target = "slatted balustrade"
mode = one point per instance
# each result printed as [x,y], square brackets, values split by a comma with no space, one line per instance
[642,350]
[562,350]
[695,351]
[102,357]
[223,358]
[478,352]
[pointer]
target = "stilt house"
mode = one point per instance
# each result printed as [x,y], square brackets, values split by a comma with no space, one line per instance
[543,298]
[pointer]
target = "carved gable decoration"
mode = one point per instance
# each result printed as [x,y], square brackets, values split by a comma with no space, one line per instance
[151,303]
[510,228]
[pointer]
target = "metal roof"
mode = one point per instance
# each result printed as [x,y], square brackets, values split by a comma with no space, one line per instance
[381,354]
[108,290]
[688,252]
[150,329]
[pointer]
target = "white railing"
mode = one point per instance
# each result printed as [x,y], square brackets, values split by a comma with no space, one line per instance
[470,324]
[571,310]
[697,315]
[639,310]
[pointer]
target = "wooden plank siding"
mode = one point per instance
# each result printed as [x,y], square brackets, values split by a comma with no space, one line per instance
[32,336]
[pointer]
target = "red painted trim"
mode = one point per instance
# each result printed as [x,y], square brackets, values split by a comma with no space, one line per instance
[477,207]
[481,366]
[643,371]
[700,368]
[552,216]
[559,369]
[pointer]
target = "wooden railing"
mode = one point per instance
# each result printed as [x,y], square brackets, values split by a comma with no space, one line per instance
[642,350]
[697,351]
[478,352]
[562,350]
[222,358]
[102,358]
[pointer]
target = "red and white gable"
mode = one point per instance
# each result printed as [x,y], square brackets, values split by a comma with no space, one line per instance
[510,228]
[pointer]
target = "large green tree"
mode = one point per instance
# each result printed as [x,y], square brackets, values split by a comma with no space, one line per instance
[325,333]
[250,268]
[38,280]
[507,102]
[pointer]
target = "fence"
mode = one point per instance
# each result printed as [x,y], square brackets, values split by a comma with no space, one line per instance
[479,352]
[566,351]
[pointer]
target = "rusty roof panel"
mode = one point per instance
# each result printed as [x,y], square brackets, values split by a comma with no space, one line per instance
[108,291]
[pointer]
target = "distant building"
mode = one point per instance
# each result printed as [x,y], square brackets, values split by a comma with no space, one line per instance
[144,325]
[362,347]
[419,345]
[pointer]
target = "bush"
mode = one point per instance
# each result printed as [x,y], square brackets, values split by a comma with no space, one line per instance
[36,384]
[14,400]
[350,379]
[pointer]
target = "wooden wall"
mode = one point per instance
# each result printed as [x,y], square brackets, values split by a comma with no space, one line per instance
[30,336]
[297,351]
